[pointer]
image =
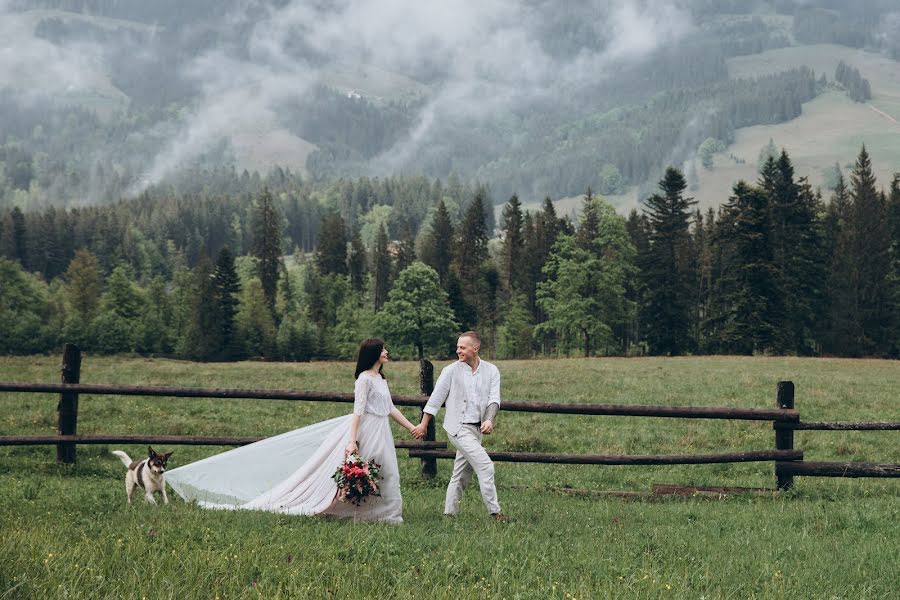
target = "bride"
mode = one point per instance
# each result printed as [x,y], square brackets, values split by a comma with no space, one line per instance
[291,473]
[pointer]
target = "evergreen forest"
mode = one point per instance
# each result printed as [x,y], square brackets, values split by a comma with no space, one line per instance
[291,270]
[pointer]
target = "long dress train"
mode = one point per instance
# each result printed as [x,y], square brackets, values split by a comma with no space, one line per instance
[291,473]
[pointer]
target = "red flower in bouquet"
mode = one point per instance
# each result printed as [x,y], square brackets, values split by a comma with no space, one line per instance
[357,479]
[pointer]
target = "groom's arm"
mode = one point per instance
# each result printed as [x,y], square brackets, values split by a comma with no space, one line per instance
[490,413]
[437,398]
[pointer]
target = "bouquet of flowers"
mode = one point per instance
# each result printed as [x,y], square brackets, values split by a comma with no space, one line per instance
[357,479]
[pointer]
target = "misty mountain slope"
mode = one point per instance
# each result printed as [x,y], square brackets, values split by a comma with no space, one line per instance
[831,129]
[100,99]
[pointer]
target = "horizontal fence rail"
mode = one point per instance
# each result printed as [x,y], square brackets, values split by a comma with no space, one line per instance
[836,469]
[182,440]
[633,410]
[634,459]
[840,425]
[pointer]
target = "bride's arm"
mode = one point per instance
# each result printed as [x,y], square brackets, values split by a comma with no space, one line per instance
[401,418]
[354,430]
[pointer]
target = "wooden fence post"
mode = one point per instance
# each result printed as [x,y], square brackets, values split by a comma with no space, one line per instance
[426,384]
[784,438]
[68,403]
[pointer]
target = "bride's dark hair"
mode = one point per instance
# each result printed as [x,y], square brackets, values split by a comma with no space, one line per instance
[369,353]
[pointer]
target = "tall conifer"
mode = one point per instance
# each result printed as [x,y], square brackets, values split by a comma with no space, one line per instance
[666,270]
[267,245]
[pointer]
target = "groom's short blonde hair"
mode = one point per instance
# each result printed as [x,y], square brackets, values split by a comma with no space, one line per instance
[474,336]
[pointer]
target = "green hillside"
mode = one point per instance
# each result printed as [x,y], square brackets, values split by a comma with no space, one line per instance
[831,129]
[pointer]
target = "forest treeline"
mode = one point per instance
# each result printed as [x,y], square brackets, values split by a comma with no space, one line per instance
[293,271]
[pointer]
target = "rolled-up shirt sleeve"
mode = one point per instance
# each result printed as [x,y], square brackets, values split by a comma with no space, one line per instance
[494,394]
[360,393]
[440,392]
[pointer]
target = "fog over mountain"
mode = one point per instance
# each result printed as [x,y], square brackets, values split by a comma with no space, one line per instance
[536,96]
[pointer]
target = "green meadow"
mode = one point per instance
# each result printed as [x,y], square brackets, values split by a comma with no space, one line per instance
[66,532]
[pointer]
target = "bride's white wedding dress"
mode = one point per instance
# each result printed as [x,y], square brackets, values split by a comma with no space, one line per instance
[291,473]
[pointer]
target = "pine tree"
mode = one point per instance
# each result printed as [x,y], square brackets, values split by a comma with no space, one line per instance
[589,224]
[893,211]
[227,286]
[513,266]
[267,246]
[381,268]
[666,271]
[406,249]
[471,261]
[255,325]
[331,254]
[83,285]
[203,338]
[870,250]
[747,305]
[797,252]
[840,324]
[638,228]
[356,261]
[438,251]
[13,237]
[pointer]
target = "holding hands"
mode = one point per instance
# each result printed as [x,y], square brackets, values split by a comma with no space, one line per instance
[418,431]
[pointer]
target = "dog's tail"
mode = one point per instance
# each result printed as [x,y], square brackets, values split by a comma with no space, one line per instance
[123,457]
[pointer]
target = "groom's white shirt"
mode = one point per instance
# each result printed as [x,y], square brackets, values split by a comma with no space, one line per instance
[453,387]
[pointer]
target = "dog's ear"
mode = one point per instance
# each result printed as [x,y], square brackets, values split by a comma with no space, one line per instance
[168,454]
[150,452]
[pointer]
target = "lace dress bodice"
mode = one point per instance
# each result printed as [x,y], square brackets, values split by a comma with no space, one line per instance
[372,396]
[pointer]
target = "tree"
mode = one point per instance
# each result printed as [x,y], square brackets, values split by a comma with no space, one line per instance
[797,252]
[381,268]
[267,246]
[610,180]
[406,249]
[154,333]
[840,324]
[589,224]
[83,286]
[513,267]
[203,338]
[113,329]
[417,313]
[13,237]
[893,212]
[516,333]
[356,261]
[227,287]
[471,261]
[747,306]
[765,153]
[707,151]
[25,327]
[255,326]
[575,313]
[667,273]
[331,254]
[437,252]
[870,249]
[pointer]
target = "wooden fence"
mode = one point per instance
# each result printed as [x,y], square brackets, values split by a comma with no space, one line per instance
[789,462]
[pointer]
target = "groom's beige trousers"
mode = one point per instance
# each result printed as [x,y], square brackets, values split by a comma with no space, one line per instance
[470,457]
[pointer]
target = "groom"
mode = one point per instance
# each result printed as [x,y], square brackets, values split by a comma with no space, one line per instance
[471,389]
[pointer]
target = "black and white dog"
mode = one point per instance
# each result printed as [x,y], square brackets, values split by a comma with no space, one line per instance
[147,473]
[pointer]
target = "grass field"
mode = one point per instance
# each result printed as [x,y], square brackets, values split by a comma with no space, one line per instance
[67,533]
